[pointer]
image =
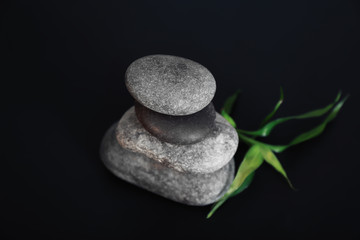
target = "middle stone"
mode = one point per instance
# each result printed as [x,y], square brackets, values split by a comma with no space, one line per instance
[210,154]
[187,129]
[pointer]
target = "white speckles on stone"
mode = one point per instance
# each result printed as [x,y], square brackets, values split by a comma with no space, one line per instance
[209,155]
[170,85]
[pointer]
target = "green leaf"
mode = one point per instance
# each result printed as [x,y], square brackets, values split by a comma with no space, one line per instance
[228,118]
[259,151]
[245,185]
[252,141]
[277,106]
[302,137]
[216,206]
[252,160]
[271,159]
[313,132]
[229,102]
[265,130]
[228,106]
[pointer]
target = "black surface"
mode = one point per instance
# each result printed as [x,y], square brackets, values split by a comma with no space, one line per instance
[62,87]
[182,130]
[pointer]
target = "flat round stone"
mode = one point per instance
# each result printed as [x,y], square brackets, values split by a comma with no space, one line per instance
[188,188]
[170,85]
[206,156]
[187,129]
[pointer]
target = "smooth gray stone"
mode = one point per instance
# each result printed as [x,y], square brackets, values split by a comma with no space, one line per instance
[170,85]
[187,188]
[187,129]
[209,155]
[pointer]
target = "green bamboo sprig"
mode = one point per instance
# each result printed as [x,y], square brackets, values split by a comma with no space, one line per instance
[260,152]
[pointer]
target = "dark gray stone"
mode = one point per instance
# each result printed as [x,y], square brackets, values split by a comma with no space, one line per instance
[187,188]
[187,129]
[170,85]
[209,155]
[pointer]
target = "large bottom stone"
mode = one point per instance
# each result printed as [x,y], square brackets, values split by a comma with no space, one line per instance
[188,188]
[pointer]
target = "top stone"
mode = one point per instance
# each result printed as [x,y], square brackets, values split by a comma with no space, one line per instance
[170,85]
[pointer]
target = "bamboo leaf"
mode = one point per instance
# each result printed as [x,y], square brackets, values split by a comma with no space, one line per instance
[271,159]
[313,132]
[259,151]
[252,160]
[217,205]
[228,118]
[228,106]
[277,106]
[229,102]
[320,128]
[245,185]
[266,130]
[252,141]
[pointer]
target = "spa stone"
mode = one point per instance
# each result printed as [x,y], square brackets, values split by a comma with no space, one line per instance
[186,188]
[181,130]
[170,85]
[209,155]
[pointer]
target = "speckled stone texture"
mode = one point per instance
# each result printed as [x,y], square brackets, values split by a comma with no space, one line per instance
[209,155]
[187,188]
[182,130]
[170,85]
[174,144]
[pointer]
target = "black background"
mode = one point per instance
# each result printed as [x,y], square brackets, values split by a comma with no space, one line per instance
[63,86]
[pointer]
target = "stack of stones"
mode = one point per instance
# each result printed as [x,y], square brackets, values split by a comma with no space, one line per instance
[172,142]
